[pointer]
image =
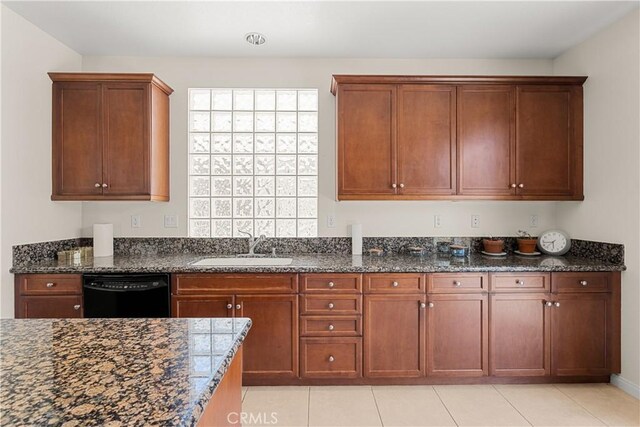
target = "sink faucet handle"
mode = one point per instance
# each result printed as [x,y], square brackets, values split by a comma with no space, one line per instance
[246,233]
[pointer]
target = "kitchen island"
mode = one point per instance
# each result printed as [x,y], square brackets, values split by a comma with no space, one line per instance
[81,372]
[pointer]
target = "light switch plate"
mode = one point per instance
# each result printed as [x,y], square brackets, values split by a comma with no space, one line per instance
[171,221]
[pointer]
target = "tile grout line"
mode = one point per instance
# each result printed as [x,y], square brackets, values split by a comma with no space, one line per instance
[579,404]
[511,404]
[375,401]
[445,406]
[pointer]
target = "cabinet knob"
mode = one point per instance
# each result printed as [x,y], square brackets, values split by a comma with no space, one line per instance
[423,305]
[520,282]
[548,303]
[430,305]
[330,305]
[457,283]
[520,185]
[401,185]
[513,186]
[76,307]
[331,358]
[331,284]
[238,306]
[394,284]
[97,185]
[331,327]
[583,282]
[229,306]
[394,185]
[557,304]
[50,285]
[104,185]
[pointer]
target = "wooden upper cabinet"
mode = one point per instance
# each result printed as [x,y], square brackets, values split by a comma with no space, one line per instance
[549,141]
[110,137]
[366,140]
[486,140]
[459,137]
[426,139]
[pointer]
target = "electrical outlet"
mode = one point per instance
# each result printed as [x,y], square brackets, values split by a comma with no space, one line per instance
[533,221]
[136,221]
[475,221]
[437,222]
[171,221]
[331,220]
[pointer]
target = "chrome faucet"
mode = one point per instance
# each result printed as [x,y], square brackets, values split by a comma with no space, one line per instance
[253,242]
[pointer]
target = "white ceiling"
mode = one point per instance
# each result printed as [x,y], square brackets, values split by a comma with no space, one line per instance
[348,29]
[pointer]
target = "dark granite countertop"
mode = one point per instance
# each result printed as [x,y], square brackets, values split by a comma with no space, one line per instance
[317,263]
[115,372]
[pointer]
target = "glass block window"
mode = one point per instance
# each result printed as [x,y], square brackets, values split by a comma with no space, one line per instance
[253,162]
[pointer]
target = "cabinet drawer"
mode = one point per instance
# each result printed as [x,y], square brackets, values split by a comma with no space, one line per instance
[331,357]
[520,282]
[327,326]
[394,283]
[457,282]
[38,284]
[334,283]
[579,282]
[331,304]
[184,284]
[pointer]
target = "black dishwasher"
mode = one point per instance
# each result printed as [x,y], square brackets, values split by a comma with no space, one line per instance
[135,295]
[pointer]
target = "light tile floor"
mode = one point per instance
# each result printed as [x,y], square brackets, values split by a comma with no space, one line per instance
[446,405]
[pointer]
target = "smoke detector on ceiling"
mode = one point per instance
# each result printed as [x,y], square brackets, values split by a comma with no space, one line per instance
[255,39]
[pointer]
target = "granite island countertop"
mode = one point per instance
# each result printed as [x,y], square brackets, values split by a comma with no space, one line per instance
[115,372]
[324,263]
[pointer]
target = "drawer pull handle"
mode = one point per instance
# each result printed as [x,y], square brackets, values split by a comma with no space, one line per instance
[394,284]
[330,305]
[331,358]
[331,284]
[548,303]
[229,306]
[430,305]
[457,283]
[104,185]
[331,327]
[76,307]
[583,282]
[50,285]
[557,304]
[97,185]
[520,282]
[423,305]
[238,306]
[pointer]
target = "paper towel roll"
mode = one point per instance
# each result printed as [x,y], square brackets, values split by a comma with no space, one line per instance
[102,240]
[356,239]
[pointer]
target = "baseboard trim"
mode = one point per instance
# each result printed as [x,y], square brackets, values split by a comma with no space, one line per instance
[626,385]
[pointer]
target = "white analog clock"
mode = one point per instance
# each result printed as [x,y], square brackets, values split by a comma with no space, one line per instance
[554,242]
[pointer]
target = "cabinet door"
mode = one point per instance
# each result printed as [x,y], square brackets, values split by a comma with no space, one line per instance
[394,335]
[549,141]
[77,140]
[426,139]
[457,336]
[40,307]
[520,334]
[271,347]
[126,139]
[202,306]
[366,141]
[486,140]
[579,341]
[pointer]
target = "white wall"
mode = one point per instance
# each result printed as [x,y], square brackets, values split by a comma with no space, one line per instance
[611,210]
[28,215]
[378,218]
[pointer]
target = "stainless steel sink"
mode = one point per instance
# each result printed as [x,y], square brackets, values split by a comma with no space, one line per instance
[242,262]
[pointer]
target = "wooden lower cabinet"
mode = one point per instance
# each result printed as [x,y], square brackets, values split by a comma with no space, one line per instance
[520,334]
[457,335]
[271,347]
[579,334]
[37,307]
[331,357]
[394,335]
[40,296]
